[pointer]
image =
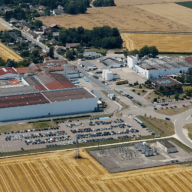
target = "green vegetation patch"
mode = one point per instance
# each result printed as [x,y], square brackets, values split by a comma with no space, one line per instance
[159,126]
[187,4]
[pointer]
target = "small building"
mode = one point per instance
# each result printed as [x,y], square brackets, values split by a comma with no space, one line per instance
[41,7]
[40,38]
[13,20]
[41,12]
[72,45]
[166,146]
[39,32]
[31,7]
[55,34]
[132,61]
[88,66]
[60,7]
[58,11]
[54,25]
[31,48]
[53,42]
[91,55]
[59,49]
[165,82]
[33,34]
[26,29]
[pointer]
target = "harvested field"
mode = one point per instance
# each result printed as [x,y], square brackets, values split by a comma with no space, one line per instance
[163,42]
[125,18]
[7,53]
[2,27]
[61,172]
[141,2]
[171,11]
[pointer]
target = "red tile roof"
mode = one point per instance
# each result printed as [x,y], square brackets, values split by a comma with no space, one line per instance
[189,59]
[6,70]
[22,100]
[13,82]
[54,25]
[24,70]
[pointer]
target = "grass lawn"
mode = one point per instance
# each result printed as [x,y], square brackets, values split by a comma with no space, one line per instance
[152,95]
[26,126]
[174,111]
[139,92]
[189,128]
[159,126]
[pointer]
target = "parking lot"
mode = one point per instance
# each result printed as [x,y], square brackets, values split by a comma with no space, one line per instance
[87,131]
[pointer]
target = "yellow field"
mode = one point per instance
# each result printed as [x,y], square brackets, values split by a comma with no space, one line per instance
[7,53]
[163,42]
[143,2]
[61,172]
[2,27]
[125,18]
[171,11]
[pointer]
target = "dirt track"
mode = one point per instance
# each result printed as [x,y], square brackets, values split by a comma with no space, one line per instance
[61,172]
[7,53]
[163,42]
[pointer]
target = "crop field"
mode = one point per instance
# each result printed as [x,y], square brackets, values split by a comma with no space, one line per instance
[2,27]
[125,18]
[7,53]
[171,11]
[61,172]
[163,42]
[141,2]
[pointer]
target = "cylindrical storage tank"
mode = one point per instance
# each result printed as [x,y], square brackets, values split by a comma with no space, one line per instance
[151,152]
[109,75]
[147,154]
[143,151]
[103,73]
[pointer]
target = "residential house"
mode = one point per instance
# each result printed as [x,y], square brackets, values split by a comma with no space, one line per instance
[31,7]
[31,48]
[72,45]
[58,11]
[54,25]
[60,7]
[41,12]
[40,38]
[14,35]
[53,42]
[26,29]
[33,34]
[47,59]
[59,49]
[55,34]
[41,7]
[39,32]
[13,20]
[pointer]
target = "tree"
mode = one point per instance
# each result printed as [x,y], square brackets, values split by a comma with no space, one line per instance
[51,52]
[176,96]
[35,53]
[125,52]
[144,51]
[153,51]
[188,90]
[25,54]
[161,88]
[69,55]
[11,63]
[134,52]
[38,23]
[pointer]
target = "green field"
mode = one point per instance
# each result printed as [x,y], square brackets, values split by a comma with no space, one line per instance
[187,4]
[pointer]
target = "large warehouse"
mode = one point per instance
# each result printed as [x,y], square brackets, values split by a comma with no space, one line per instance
[49,94]
[157,67]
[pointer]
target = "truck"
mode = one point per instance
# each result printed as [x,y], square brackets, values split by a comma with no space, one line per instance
[122,81]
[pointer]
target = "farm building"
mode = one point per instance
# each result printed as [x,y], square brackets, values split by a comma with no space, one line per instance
[157,67]
[166,146]
[47,94]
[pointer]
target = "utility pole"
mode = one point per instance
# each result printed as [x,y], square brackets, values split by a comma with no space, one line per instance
[77,155]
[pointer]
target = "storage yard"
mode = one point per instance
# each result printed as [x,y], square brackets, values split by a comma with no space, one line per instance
[125,18]
[163,42]
[61,172]
[6,53]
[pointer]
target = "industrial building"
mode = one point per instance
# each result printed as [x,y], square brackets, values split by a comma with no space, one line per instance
[166,146]
[87,65]
[47,94]
[91,55]
[109,75]
[111,63]
[157,67]
[8,73]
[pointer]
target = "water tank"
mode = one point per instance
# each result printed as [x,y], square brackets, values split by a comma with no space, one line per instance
[103,73]
[108,75]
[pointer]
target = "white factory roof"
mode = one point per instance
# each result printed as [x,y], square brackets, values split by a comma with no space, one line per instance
[163,63]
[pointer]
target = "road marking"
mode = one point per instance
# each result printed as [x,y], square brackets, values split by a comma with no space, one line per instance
[187,117]
[175,121]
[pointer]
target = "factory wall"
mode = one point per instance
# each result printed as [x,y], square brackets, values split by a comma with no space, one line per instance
[157,73]
[50,109]
[131,61]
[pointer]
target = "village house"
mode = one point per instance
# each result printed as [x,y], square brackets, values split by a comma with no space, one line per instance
[53,42]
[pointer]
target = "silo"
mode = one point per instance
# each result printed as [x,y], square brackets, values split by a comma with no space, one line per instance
[109,75]
[103,73]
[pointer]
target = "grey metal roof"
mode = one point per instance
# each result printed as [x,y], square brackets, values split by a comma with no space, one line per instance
[166,144]
[163,63]
[110,62]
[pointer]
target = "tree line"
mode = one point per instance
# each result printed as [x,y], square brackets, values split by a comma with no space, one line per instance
[105,37]
[103,3]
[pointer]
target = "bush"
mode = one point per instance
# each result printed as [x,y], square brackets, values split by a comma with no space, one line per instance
[133,90]
[155,100]
[130,84]
[138,93]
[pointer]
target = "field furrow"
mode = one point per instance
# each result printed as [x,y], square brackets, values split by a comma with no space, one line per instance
[143,185]
[167,184]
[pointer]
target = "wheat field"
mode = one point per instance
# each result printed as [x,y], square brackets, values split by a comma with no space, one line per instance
[163,42]
[6,53]
[59,171]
